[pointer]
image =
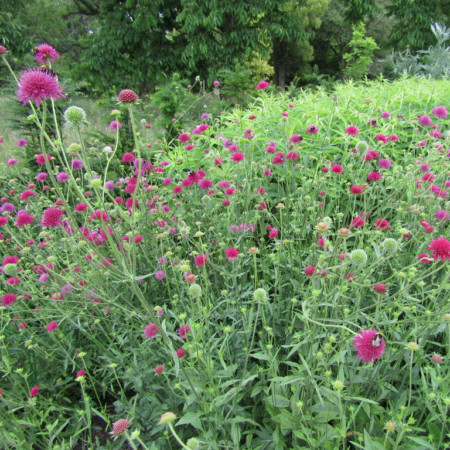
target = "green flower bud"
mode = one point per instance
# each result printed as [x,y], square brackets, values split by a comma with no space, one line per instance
[195,290]
[260,295]
[167,418]
[390,245]
[10,269]
[358,257]
[74,115]
[362,146]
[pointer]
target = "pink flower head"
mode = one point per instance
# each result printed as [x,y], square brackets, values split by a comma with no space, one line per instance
[12,161]
[382,224]
[80,373]
[424,258]
[51,326]
[61,177]
[216,83]
[440,112]
[183,331]
[120,426]
[370,345]
[160,275]
[34,391]
[231,253]
[292,156]
[52,217]
[384,163]
[22,143]
[180,352]
[352,130]
[370,155]
[249,134]
[380,288]
[442,214]
[184,137]
[201,260]
[37,84]
[309,270]
[337,168]
[127,96]
[8,299]
[381,138]
[385,115]
[440,248]
[115,125]
[312,129]
[237,157]
[45,52]
[151,330]
[76,164]
[262,85]
[41,176]
[425,121]
[23,218]
[296,139]
[374,176]
[355,189]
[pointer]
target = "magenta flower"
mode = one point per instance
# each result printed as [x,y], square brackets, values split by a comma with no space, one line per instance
[262,85]
[441,248]
[183,331]
[37,84]
[34,391]
[151,330]
[160,275]
[370,345]
[51,217]
[52,326]
[22,143]
[352,130]
[440,112]
[115,125]
[45,52]
[425,121]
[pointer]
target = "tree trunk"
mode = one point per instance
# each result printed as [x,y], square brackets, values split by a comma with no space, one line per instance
[279,62]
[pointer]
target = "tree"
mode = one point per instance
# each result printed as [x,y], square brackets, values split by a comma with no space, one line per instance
[413,22]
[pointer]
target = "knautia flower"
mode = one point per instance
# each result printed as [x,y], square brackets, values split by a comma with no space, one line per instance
[262,85]
[120,426]
[440,112]
[34,391]
[127,96]
[352,130]
[370,345]
[151,330]
[440,248]
[37,84]
[45,52]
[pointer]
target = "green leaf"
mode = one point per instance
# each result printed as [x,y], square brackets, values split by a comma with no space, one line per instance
[278,401]
[192,418]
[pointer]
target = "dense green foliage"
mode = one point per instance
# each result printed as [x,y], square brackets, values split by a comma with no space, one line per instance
[114,43]
[209,290]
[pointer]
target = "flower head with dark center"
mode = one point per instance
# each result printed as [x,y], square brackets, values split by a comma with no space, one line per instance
[370,345]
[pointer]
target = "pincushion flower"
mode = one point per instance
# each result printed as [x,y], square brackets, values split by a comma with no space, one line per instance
[440,248]
[262,85]
[36,84]
[352,130]
[51,217]
[120,426]
[151,330]
[232,253]
[369,349]
[45,52]
[440,112]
